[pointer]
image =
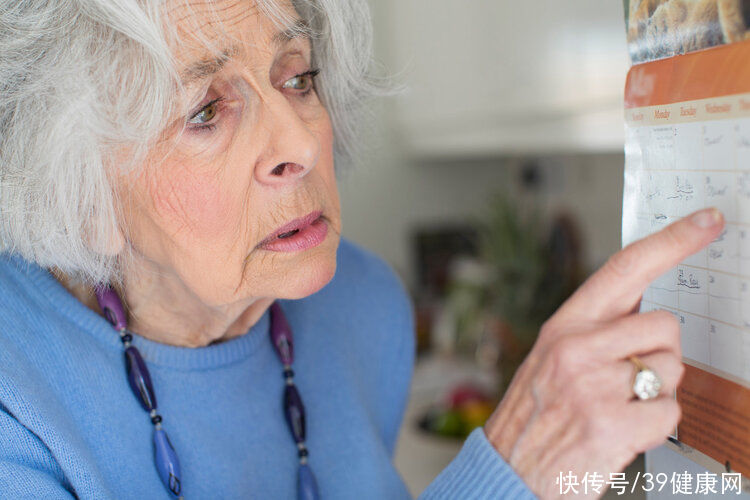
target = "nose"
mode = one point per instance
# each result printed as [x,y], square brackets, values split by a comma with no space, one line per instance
[291,150]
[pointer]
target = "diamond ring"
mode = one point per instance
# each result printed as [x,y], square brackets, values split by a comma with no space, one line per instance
[646,383]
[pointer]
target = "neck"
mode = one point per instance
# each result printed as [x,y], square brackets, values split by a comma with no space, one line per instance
[165,311]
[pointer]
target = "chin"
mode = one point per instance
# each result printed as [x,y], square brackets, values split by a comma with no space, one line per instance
[313,270]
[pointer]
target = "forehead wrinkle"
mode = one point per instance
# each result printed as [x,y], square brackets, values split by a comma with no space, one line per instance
[235,19]
[203,28]
[207,67]
[203,7]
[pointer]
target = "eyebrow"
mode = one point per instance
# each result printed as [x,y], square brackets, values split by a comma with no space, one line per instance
[204,68]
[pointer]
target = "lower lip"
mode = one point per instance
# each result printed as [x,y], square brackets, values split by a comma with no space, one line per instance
[307,237]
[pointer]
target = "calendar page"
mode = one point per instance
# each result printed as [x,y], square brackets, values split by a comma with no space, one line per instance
[688,147]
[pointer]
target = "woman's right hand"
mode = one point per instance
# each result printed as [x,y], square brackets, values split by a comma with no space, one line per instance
[570,407]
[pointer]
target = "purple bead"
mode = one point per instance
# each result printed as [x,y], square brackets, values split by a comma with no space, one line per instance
[111,306]
[281,335]
[139,378]
[307,486]
[167,463]
[294,411]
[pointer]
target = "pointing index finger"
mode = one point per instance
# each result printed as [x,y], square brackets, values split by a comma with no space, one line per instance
[616,288]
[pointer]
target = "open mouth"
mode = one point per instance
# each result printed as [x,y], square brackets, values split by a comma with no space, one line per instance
[300,234]
[288,234]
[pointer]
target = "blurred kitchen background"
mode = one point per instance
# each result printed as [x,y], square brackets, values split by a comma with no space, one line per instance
[493,186]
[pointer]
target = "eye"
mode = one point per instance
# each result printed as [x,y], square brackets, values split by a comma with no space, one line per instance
[303,82]
[206,113]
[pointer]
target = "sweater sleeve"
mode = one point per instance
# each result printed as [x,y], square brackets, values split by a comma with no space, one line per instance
[478,472]
[27,468]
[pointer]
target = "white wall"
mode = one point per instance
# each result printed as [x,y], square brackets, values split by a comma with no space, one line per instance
[389,193]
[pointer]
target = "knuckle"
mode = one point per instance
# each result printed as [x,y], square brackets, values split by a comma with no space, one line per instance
[564,356]
[547,329]
[664,319]
[553,330]
[666,325]
[621,263]
[672,371]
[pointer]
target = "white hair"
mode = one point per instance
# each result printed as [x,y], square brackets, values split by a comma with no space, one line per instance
[81,79]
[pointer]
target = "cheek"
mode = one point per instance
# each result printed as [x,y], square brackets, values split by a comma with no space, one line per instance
[197,203]
[325,162]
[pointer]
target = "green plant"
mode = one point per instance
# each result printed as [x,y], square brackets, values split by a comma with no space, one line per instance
[534,266]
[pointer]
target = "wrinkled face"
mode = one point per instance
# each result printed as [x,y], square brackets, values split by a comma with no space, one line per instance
[239,198]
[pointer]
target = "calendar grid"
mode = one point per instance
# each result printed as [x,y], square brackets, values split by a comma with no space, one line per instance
[674,166]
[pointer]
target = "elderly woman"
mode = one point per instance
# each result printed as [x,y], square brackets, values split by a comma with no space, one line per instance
[167,190]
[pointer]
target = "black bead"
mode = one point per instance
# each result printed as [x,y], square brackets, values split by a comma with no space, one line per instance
[126,338]
[156,419]
[288,373]
[303,452]
[294,411]
[139,378]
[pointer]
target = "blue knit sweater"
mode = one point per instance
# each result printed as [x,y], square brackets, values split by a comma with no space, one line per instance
[71,428]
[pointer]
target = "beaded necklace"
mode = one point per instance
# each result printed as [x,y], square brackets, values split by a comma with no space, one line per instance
[165,457]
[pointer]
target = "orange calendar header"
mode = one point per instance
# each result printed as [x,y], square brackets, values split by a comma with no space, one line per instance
[711,73]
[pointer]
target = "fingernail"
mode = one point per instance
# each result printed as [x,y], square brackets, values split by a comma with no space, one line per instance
[709,217]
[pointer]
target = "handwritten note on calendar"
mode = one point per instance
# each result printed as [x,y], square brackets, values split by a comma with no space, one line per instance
[688,147]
